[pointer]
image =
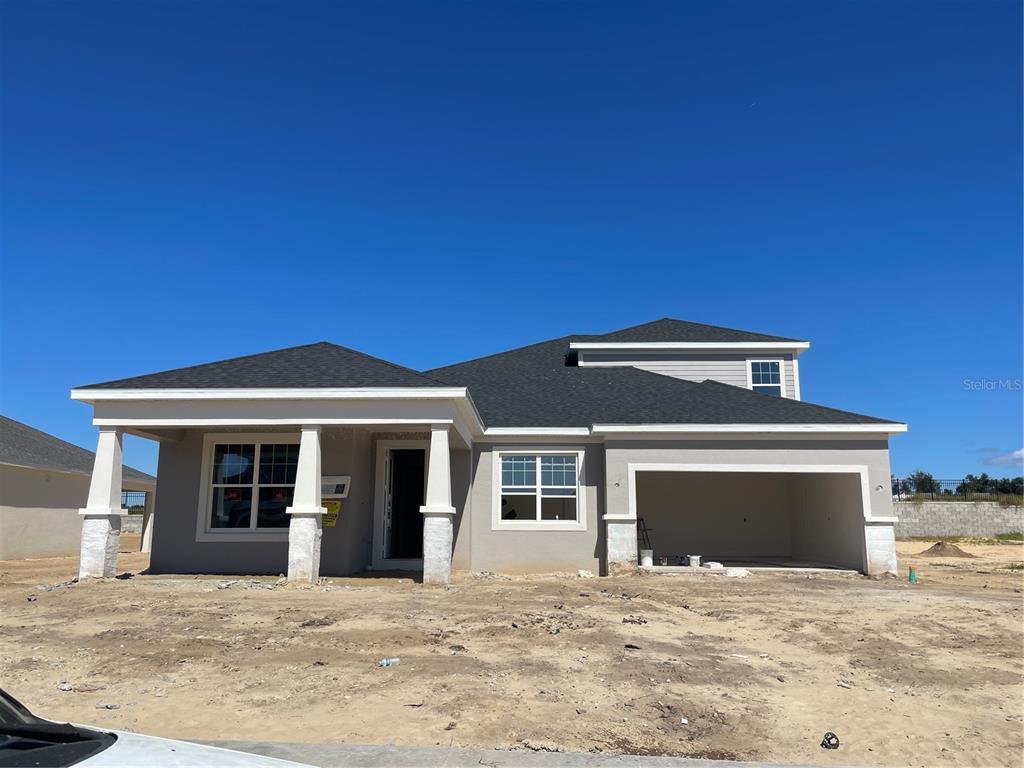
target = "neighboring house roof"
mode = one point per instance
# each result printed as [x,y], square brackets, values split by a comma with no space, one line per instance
[313,366]
[24,446]
[536,386]
[669,330]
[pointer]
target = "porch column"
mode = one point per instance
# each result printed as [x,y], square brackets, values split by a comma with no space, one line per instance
[620,540]
[146,545]
[438,512]
[102,515]
[305,529]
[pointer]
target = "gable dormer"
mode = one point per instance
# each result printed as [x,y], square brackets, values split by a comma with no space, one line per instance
[697,352]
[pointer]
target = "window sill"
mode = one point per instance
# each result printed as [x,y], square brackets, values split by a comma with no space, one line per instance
[538,525]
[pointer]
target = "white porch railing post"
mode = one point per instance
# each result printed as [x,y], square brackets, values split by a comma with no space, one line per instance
[438,512]
[102,515]
[305,529]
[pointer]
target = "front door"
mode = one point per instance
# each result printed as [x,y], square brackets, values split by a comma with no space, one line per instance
[404,495]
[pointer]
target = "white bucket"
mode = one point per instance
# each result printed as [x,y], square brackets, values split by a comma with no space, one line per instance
[695,561]
[646,557]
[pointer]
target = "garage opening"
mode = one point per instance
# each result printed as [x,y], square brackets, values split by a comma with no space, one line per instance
[753,519]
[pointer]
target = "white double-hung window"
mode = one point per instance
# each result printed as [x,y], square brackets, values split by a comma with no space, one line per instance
[539,490]
[766,376]
[250,483]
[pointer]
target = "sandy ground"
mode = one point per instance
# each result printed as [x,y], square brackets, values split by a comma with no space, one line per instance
[760,667]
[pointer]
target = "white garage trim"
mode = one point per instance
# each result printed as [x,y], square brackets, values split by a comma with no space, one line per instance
[790,469]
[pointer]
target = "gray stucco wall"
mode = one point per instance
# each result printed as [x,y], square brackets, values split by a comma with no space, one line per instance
[726,368]
[462,472]
[957,518]
[506,551]
[175,549]
[346,547]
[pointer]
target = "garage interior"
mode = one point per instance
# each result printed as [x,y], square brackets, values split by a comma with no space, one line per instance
[753,519]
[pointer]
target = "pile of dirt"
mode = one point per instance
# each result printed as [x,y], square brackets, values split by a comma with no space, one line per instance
[945,549]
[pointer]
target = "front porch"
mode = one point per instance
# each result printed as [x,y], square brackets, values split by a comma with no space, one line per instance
[238,499]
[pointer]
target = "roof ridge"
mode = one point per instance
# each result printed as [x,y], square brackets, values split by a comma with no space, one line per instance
[397,366]
[326,345]
[684,322]
[213,362]
[499,354]
[724,328]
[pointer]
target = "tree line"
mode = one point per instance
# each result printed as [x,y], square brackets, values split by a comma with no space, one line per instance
[924,482]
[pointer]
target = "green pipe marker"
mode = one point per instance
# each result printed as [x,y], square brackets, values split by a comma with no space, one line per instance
[913,575]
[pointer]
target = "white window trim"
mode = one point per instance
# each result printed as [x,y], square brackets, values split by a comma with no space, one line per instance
[861,470]
[579,524]
[782,373]
[204,533]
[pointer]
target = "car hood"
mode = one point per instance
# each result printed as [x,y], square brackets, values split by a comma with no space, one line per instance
[134,749]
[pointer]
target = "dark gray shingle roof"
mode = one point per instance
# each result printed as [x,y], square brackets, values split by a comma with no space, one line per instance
[668,329]
[25,446]
[535,387]
[320,365]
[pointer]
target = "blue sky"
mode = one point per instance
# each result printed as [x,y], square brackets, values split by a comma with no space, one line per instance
[428,182]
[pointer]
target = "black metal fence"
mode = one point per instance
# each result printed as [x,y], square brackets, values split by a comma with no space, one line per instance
[965,489]
[134,501]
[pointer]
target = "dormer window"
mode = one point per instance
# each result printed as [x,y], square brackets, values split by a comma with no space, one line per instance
[766,377]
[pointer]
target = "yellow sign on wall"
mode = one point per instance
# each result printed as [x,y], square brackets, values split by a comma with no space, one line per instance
[333,507]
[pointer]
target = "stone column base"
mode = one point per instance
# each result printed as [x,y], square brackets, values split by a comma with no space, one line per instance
[101,539]
[620,540]
[438,535]
[305,532]
[880,548]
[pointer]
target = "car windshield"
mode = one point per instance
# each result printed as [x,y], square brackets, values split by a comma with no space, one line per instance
[29,740]
[13,712]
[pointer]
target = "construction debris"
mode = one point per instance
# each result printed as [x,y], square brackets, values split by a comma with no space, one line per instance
[247,584]
[58,585]
[736,573]
[830,741]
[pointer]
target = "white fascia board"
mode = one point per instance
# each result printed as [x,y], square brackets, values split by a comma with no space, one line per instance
[749,428]
[467,405]
[350,393]
[459,394]
[725,346]
[537,432]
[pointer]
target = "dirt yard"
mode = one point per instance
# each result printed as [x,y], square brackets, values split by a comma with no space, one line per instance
[759,667]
